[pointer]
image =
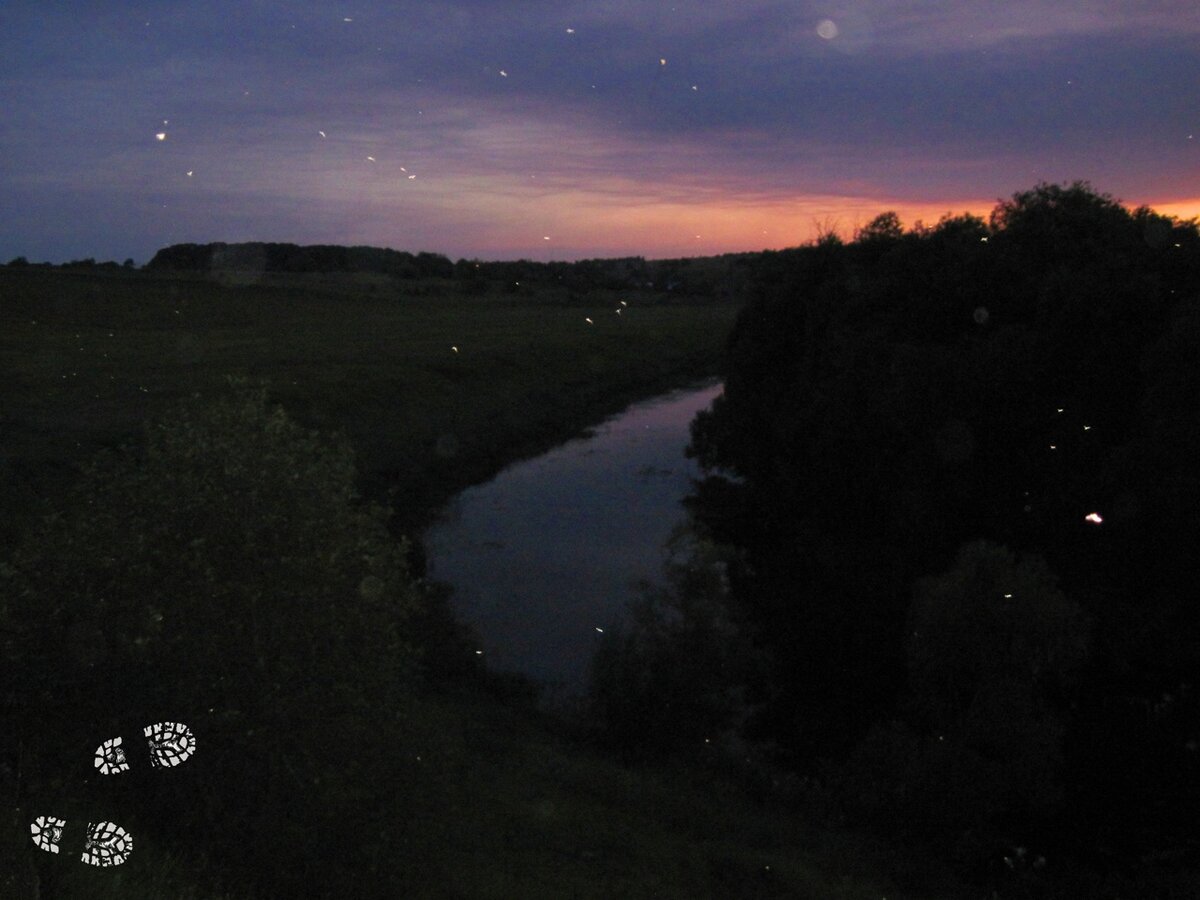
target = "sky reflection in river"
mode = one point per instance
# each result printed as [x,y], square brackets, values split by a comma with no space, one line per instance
[548,551]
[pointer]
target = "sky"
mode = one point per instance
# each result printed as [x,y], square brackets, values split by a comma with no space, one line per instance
[506,129]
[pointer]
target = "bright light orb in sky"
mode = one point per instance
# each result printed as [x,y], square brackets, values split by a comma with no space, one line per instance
[827,29]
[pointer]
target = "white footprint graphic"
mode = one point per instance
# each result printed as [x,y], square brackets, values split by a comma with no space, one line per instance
[107,844]
[171,743]
[47,832]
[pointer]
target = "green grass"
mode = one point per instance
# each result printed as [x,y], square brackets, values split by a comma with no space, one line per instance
[526,812]
[86,358]
[474,798]
[477,800]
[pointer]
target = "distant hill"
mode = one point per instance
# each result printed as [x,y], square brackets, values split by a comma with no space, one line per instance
[264,257]
[716,275]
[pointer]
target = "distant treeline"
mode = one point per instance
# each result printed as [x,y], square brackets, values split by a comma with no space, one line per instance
[263,257]
[704,276]
[90,263]
[717,276]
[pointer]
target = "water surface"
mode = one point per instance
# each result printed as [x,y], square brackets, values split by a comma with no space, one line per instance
[547,552]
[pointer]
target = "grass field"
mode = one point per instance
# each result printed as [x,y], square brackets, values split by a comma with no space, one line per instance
[482,803]
[86,358]
[476,798]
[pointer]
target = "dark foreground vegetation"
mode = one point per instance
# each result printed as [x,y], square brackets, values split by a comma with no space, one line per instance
[951,518]
[231,566]
[928,634]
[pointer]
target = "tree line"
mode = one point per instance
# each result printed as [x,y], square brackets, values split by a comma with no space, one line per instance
[951,494]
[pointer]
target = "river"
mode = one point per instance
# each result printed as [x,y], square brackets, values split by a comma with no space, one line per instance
[544,557]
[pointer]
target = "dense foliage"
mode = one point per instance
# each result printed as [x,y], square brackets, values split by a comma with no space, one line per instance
[1028,382]
[221,574]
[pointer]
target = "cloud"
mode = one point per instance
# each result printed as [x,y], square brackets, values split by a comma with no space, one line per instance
[913,104]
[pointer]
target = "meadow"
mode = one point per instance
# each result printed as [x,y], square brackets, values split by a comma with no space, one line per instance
[436,389]
[470,790]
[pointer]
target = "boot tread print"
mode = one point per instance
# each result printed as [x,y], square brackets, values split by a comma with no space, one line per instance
[170,743]
[107,843]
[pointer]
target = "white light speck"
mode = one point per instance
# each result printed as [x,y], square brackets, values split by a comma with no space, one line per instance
[162,135]
[402,169]
[662,62]
[1060,409]
[1008,596]
[411,177]
[347,19]
[1094,518]
[1087,427]
[589,321]
[623,303]
[189,173]
[477,653]
[503,73]
[545,237]
[695,88]
[452,347]
[1053,447]
[827,29]
[599,629]
[321,133]
[570,31]
[371,159]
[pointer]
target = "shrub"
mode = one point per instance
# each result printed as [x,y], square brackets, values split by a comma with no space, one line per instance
[226,576]
[674,676]
[993,654]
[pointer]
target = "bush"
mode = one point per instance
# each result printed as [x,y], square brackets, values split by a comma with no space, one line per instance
[674,677]
[994,652]
[226,576]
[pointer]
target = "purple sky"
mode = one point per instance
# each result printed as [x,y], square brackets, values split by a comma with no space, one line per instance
[554,130]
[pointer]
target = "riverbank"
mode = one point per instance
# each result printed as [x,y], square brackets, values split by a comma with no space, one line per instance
[435,389]
[474,795]
[545,557]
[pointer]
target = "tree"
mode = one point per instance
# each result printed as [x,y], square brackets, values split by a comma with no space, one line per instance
[884,227]
[222,574]
[994,654]
[674,678]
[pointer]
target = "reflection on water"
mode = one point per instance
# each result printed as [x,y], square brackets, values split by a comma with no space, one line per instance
[545,554]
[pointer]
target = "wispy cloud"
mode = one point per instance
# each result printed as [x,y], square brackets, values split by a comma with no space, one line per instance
[645,115]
